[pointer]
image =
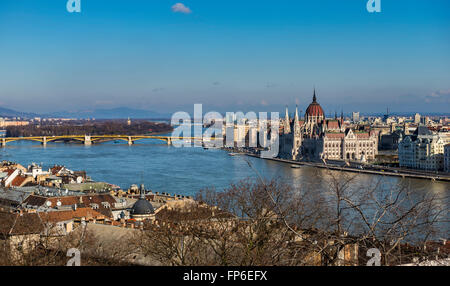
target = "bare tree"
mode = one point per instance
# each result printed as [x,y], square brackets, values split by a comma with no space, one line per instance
[382,216]
[332,222]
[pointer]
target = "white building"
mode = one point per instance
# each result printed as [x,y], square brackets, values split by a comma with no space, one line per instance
[35,170]
[417,118]
[355,117]
[422,150]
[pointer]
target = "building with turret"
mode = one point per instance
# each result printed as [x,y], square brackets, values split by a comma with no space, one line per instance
[142,209]
[318,138]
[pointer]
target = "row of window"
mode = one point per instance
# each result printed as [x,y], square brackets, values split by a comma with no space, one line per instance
[361,144]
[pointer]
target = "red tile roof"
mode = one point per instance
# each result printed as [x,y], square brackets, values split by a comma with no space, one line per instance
[9,171]
[333,124]
[314,109]
[35,200]
[18,181]
[334,135]
[55,170]
[58,216]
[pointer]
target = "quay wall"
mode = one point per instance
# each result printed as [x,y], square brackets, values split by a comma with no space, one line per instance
[440,177]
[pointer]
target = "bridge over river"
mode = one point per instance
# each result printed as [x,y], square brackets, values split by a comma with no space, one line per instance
[90,139]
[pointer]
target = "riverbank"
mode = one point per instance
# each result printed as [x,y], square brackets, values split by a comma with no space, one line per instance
[107,127]
[165,168]
[396,173]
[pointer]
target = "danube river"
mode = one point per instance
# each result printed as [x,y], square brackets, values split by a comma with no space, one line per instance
[187,170]
[182,171]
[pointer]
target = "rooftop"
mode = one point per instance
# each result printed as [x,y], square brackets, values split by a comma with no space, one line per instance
[20,223]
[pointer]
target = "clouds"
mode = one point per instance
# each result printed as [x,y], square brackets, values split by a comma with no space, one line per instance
[181,8]
[442,96]
[441,93]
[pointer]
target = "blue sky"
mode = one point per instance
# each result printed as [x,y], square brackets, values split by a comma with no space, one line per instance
[229,55]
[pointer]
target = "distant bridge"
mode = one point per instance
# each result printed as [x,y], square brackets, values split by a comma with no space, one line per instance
[90,139]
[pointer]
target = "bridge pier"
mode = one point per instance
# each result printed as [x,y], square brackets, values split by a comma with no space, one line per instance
[130,142]
[87,140]
[169,141]
[44,141]
[3,142]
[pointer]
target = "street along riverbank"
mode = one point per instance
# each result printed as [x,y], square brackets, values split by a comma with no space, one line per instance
[384,171]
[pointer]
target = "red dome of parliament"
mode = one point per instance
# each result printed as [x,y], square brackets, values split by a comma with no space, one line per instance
[314,109]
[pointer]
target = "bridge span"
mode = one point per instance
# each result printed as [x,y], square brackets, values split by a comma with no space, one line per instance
[90,139]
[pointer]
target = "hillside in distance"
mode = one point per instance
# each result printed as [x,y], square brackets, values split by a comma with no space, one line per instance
[113,113]
[7,112]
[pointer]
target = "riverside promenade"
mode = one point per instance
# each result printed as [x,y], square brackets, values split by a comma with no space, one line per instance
[375,170]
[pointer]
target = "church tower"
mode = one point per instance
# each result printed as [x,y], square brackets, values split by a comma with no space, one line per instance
[296,122]
[297,140]
[287,123]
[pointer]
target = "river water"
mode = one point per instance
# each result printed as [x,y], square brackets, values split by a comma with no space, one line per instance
[176,170]
[186,170]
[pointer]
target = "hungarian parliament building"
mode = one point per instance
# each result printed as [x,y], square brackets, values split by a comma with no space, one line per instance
[317,138]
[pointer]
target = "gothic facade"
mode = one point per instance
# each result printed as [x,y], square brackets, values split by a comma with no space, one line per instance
[318,138]
[291,137]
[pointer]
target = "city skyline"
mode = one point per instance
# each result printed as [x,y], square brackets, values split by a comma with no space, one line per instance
[229,56]
[224,134]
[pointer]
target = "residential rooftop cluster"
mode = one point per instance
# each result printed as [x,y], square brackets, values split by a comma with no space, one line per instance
[34,202]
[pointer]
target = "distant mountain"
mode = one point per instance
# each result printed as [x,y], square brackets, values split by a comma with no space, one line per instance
[114,113]
[6,112]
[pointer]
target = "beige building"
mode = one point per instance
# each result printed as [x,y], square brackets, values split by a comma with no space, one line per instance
[350,145]
[6,123]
